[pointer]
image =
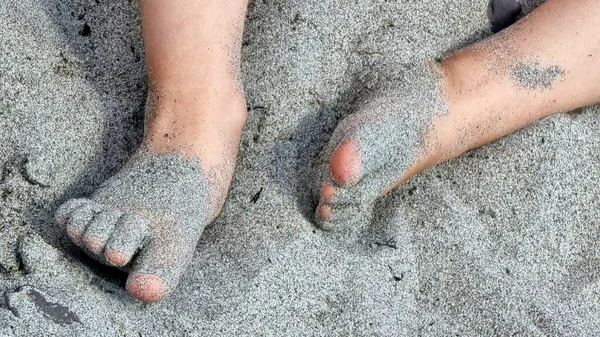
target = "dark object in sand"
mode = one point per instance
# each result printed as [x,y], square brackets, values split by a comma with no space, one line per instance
[503,13]
[56,312]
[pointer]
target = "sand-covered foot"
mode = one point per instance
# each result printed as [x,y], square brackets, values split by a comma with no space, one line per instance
[373,148]
[149,217]
[472,97]
[157,207]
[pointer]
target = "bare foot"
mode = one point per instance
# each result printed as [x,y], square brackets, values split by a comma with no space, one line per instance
[372,149]
[538,66]
[150,215]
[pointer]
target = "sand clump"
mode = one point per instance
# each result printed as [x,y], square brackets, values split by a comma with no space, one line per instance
[534,76]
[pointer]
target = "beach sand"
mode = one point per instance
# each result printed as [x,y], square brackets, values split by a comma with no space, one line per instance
[500,242]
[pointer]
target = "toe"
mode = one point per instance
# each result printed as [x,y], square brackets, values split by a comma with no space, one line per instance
[99,230]
[336,201]
[78,221]
[159,266]
[345,164]
[117,258]
[324,211]
[63,213]
[146,287]
[127,239]
[327,192]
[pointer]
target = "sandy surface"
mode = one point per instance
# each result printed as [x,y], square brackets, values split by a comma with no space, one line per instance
[499,242]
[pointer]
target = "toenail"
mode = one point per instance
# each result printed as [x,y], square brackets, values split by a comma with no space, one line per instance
[324,212]
[327,192]
[116,258]
[145,287]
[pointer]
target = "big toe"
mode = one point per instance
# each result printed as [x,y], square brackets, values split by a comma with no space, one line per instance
[345,164]
[146,287]
[158,268]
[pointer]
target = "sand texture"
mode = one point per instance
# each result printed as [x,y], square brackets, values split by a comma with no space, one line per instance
[500,242]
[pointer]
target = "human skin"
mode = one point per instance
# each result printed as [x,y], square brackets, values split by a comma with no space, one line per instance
[148,218]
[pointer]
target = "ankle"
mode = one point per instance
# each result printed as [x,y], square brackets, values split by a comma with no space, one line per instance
[204,126]
[468,88]
[224,108]
[482,77]
[484,103]
[465,75]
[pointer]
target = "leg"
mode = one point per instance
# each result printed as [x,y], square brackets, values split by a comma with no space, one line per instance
[149,216]
[545,63]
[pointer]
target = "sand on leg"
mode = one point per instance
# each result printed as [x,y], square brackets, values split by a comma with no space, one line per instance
[546,63]
[149,216]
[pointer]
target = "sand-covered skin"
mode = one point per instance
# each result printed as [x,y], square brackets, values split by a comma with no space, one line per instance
[534,76]
[389,129]
[149,217]
[502,241]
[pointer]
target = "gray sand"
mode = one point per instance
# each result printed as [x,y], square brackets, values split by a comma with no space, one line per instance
[502,241]
[535,76]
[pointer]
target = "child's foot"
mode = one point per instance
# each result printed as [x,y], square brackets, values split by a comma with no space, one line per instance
[375,147]
[149,216]
[470,99]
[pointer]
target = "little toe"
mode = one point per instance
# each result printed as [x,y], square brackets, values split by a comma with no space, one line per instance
[62,214]
[99,230]
[79,220]
[345,164]
[127,239]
